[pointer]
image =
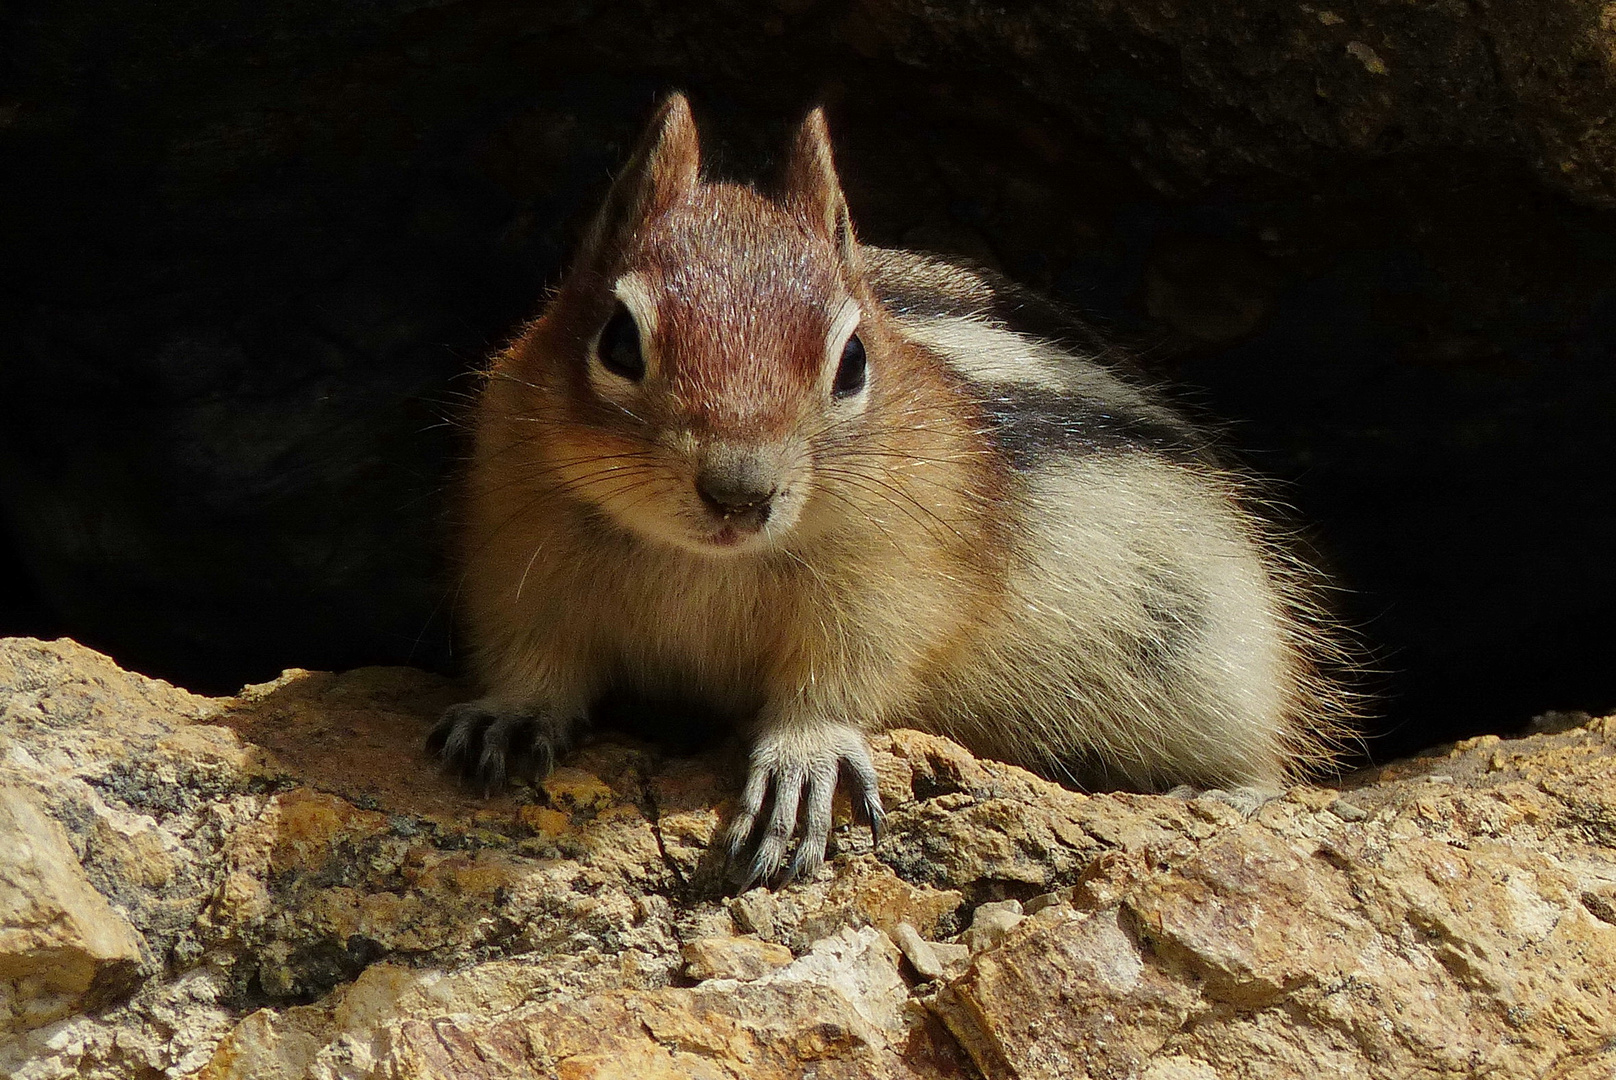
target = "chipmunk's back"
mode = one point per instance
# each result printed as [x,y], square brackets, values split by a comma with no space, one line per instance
[1198,645]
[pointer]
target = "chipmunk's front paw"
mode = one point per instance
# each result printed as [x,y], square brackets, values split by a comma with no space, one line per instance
[1244,799]
[796,771]
[488,743]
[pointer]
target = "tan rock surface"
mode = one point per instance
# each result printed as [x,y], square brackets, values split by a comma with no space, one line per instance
[279,885]
[62,946]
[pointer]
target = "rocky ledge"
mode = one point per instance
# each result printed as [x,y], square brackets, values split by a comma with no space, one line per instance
[278,885]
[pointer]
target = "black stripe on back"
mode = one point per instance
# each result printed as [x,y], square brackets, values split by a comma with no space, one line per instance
[1005,304]
[1032,425]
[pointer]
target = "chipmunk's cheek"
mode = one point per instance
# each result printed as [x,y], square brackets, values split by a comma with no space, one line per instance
[787,509]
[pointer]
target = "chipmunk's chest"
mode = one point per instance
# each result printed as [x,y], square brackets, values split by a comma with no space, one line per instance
[679,627]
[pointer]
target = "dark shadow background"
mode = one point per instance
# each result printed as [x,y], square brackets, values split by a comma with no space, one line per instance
[249,252]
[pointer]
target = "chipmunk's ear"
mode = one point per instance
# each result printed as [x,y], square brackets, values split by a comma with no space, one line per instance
[665,167]
[812,189]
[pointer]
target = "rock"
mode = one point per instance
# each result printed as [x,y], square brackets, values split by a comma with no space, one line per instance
[1080,1002]
[930,959]
[741,958]
[990,922]
[1408,939]
[837,1011]
[1229,85]
[63,948]
[277,884]
[866,893]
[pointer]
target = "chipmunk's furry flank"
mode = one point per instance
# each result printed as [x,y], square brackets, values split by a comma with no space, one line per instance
[828,489]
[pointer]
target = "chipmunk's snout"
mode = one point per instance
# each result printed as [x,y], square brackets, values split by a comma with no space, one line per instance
[738,484]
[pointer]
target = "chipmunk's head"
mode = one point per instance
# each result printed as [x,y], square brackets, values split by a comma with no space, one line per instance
[710,338]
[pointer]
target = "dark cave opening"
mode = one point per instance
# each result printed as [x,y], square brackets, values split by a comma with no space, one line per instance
[245,281]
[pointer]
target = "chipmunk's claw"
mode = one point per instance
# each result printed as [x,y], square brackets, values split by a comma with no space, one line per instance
[796,774]
[487,744]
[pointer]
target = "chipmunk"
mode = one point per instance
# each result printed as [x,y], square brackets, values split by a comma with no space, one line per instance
[832,489]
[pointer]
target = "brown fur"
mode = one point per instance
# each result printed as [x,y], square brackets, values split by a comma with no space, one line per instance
[1114,612]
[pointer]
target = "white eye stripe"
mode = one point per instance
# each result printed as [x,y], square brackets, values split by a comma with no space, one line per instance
[841,328]
[635,292]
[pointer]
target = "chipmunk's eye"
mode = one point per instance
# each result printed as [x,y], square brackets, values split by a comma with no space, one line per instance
[619,346]
[850,373]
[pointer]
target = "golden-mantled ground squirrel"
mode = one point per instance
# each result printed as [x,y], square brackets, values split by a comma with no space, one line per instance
[830,489]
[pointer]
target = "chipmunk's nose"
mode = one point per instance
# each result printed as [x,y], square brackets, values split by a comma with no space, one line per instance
[735,482]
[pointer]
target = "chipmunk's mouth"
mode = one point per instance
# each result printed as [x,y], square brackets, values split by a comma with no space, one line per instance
[735,529]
